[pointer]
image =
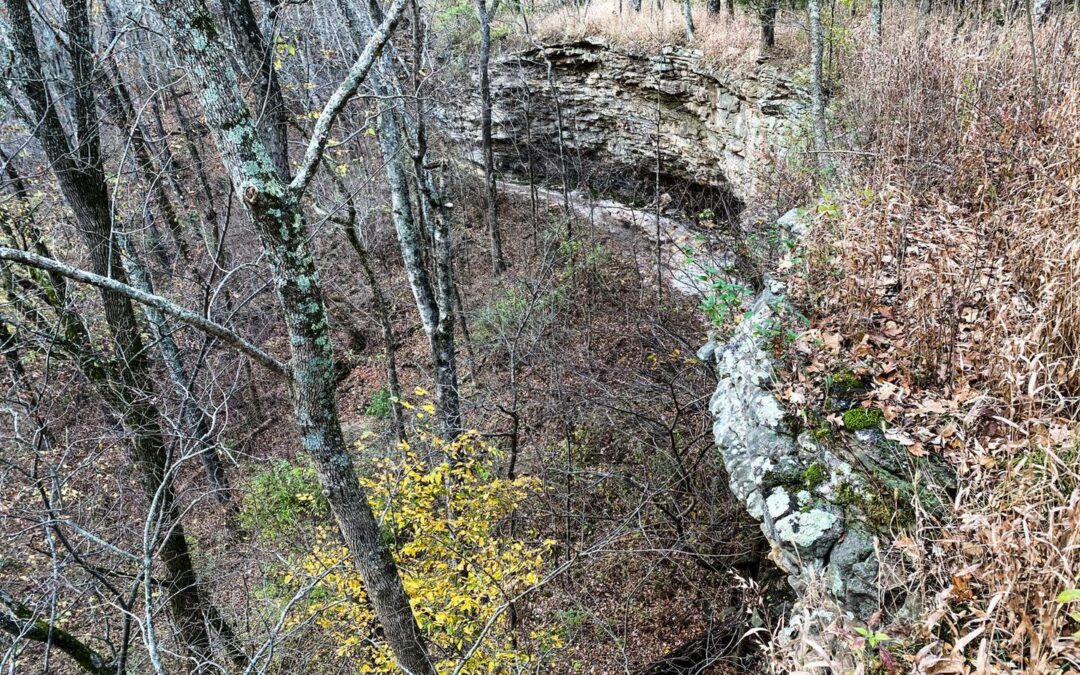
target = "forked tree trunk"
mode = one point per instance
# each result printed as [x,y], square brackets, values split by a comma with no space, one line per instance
[278,218]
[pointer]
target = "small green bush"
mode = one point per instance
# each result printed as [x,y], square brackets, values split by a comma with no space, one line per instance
[381,403]
[283,498]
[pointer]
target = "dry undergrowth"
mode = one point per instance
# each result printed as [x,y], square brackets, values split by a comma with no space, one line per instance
[729,43]
[949,263]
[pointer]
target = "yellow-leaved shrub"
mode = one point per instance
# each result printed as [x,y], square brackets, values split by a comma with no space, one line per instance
[448,525]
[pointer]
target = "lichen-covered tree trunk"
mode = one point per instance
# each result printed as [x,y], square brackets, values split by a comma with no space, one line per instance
[257,57]
[276,213]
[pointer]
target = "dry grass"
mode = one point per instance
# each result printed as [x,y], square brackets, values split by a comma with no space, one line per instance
[950,258]
[723,42]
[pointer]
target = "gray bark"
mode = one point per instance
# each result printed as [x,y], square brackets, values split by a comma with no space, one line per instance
[257,57]
[194,417]
[767,14]
[498,264]
[383,312]
[688,20]
[129,388]
[278,218]
[436,311]
[121,289]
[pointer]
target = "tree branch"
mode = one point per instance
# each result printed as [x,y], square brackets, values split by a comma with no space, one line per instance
[18,620]
[345,91]
[156,301]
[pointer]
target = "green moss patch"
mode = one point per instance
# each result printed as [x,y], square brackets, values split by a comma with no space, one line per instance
[858,418]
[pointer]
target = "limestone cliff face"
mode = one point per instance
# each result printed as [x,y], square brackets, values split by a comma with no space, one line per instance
[716,133]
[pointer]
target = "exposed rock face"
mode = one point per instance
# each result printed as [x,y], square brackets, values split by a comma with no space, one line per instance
[716,133]
[788,483]
[820,510]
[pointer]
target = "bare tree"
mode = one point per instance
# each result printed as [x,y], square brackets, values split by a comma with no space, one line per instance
[275,210]
[128,385]
[434,301]
[497,262]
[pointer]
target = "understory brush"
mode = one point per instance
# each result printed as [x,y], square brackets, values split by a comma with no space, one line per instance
[947,258]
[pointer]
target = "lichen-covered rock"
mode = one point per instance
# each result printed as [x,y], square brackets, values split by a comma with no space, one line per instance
[716,131]
[799,489]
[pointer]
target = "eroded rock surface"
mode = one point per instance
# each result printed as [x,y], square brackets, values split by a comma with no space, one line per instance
[716,133]
[821,511]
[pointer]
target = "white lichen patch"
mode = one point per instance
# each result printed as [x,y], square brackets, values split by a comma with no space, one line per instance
[804,529]
[778,503]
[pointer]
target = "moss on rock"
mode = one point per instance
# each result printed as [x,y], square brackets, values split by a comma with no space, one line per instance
[859,418]
[814,475]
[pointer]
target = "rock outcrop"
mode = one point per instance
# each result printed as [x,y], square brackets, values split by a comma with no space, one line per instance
[716,133]
[822,502]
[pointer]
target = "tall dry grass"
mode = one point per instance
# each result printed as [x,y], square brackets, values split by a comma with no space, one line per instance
[723,42]
[953,245]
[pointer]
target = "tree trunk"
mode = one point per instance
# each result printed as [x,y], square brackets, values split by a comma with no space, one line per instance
[257,57]
[498,264]
[383,312]
[278,218]
[194,417]
[436,311]
[767,14]
[817,87]
[82,181]
[688,20]
[876,12]
[20,621]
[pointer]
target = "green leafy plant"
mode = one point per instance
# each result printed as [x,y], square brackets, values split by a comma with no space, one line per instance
[281,499]
[873,638]
[1068,597]
[381,403]
[724,299]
